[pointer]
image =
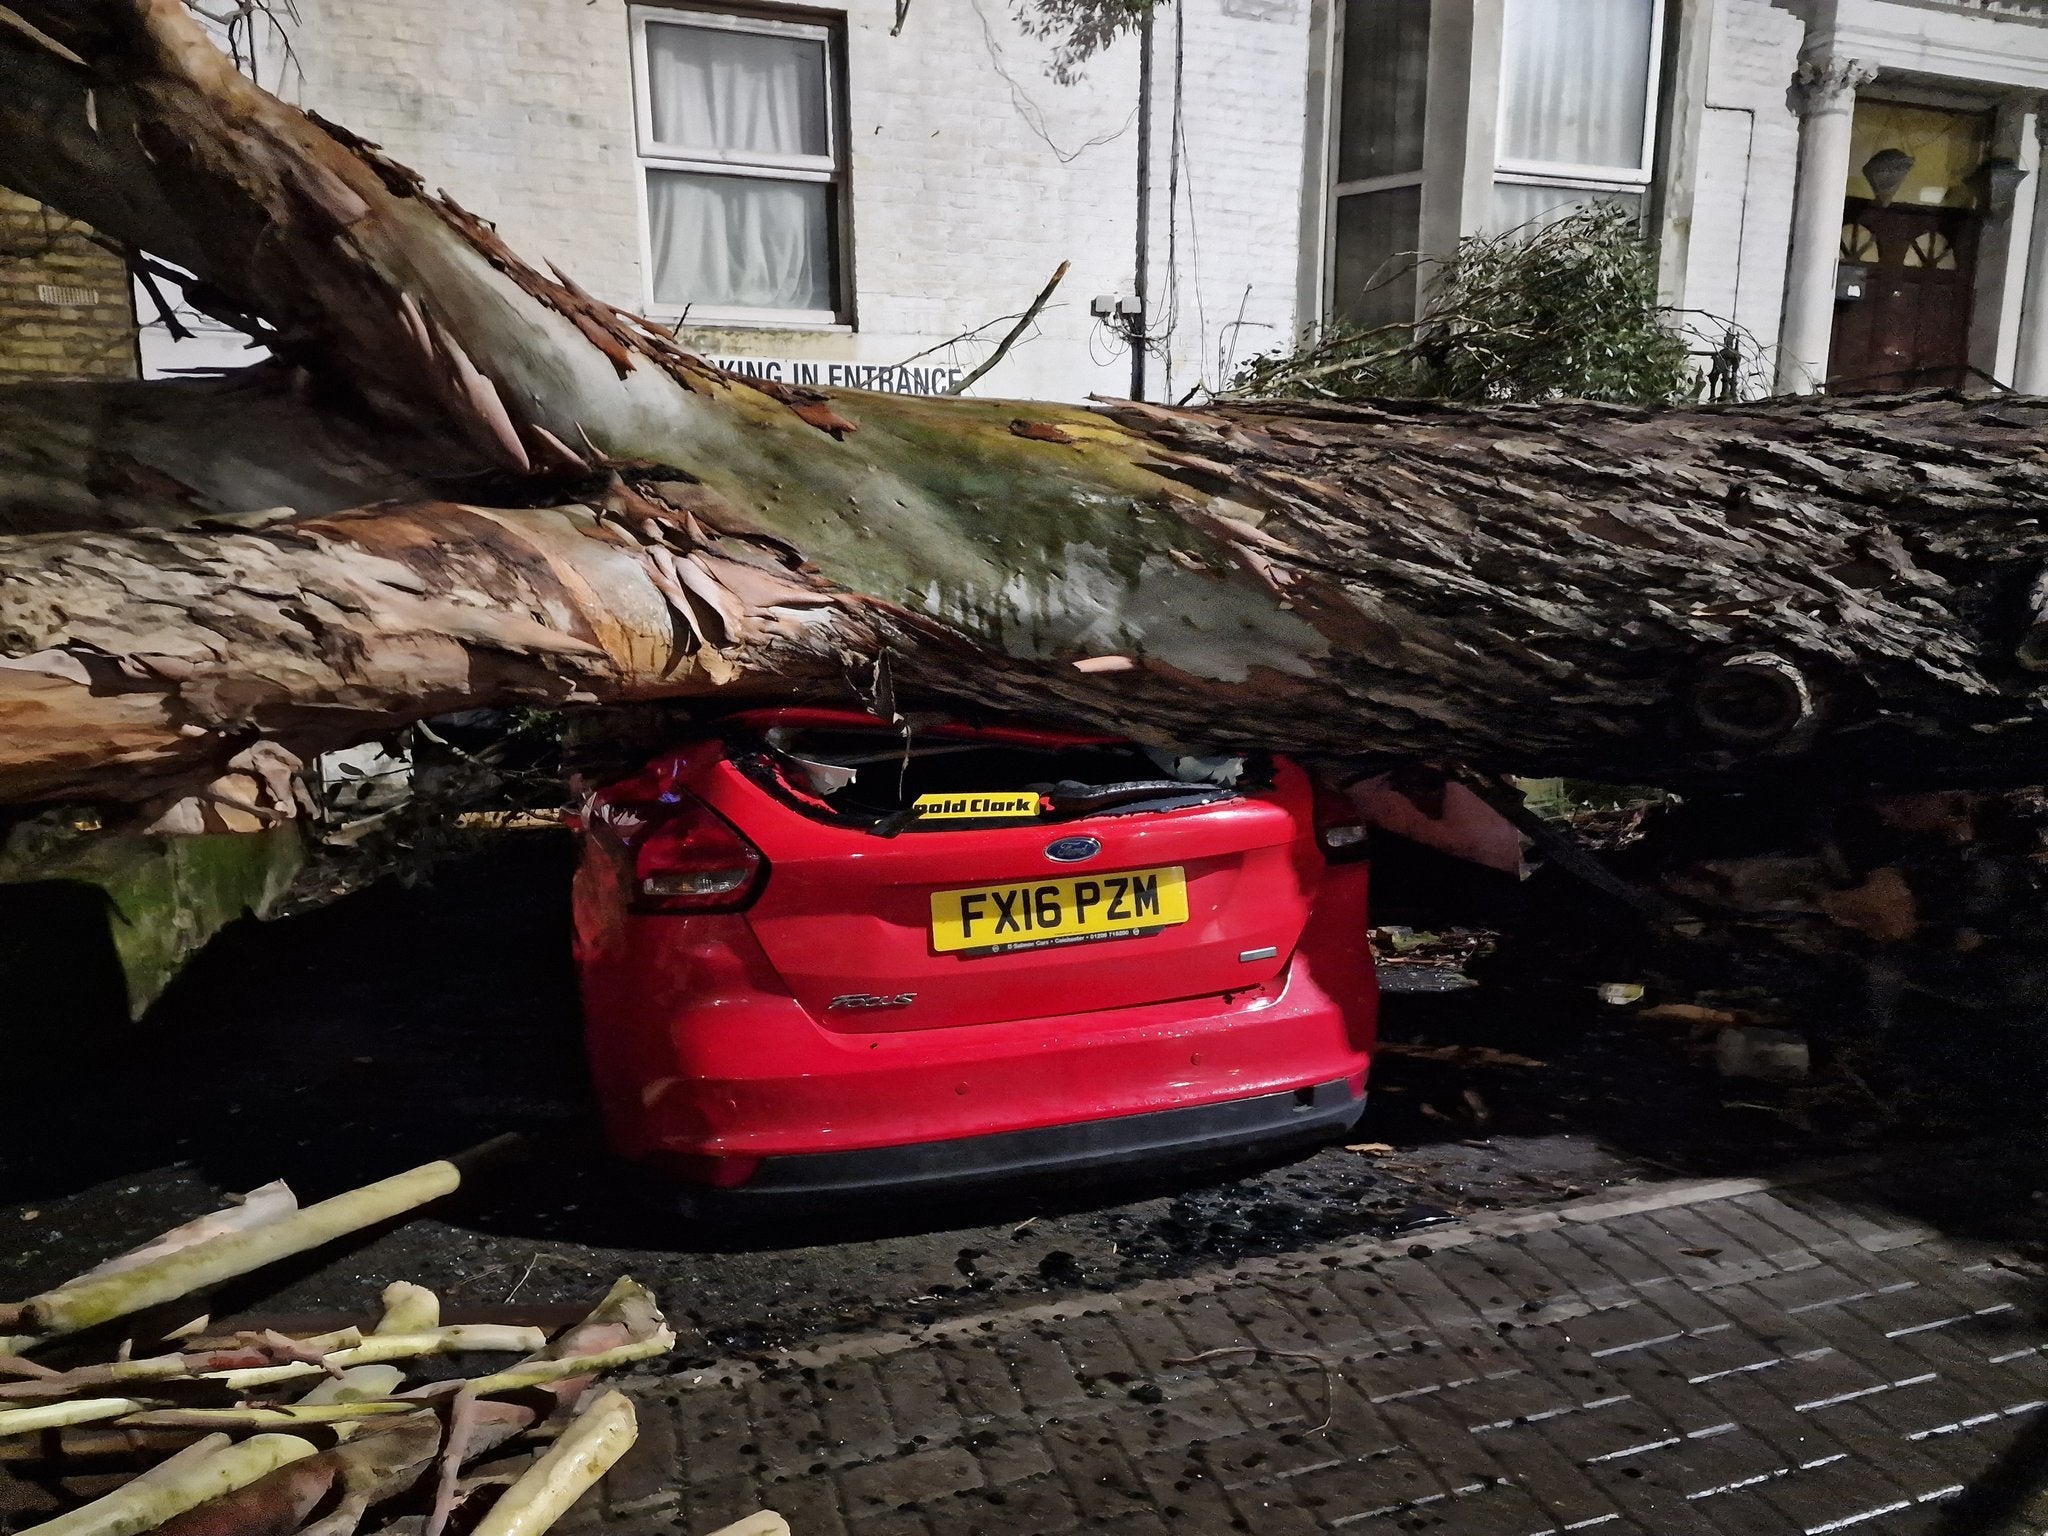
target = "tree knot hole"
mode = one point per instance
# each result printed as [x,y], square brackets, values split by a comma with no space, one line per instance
[1755,700]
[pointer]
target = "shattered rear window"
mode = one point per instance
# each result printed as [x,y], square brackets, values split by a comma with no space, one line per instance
[889,782]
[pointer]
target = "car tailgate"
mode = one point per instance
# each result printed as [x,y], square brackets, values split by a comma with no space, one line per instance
[847,916]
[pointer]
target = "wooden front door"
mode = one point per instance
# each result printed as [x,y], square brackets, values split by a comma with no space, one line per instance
[1911,327]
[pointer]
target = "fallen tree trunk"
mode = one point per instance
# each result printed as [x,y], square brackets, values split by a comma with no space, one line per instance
[1636,633]
[1666,596]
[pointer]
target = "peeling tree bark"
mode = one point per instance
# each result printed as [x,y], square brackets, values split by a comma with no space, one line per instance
[149,655]
[1677,597]
[243,449]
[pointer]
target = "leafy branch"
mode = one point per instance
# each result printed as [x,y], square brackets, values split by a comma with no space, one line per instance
[1567,309]
[1083,28]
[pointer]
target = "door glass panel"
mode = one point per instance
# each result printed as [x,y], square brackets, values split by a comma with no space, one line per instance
[1375,266]
[1933,249]
[1575,82]
[1386,67]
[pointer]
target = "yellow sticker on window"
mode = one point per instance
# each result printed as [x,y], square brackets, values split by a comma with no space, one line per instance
[976,807]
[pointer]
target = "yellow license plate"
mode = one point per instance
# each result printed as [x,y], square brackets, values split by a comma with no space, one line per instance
[1042,914]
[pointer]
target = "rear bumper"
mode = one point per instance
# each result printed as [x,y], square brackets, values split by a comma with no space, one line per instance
[1128,1143]
[704,1061]
[766,1084]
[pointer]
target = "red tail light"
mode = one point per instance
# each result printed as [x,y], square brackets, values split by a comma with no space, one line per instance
[685,856]
[1341,832]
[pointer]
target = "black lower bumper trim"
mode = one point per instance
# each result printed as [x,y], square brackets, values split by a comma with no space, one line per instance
[1126,1143]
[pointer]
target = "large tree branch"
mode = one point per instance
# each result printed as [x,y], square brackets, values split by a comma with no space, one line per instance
[1671,597]
[177,650]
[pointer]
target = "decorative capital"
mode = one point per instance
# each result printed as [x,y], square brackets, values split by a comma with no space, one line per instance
[1829,84]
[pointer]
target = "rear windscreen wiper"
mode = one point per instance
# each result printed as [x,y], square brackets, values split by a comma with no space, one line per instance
[1136,795]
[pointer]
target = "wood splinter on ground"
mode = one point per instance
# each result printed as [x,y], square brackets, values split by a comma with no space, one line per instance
[766,1523]
[258,1433]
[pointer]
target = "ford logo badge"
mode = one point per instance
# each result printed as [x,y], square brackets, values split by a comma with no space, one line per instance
[1072,850]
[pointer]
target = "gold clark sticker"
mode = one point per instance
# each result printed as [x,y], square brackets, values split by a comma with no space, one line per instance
[975,807]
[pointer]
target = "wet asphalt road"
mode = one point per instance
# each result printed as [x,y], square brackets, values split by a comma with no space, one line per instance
[404,1024]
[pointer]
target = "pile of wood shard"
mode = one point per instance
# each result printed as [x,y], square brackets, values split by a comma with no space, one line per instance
[188,1430]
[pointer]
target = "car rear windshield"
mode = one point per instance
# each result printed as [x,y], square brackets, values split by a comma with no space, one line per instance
[926,781]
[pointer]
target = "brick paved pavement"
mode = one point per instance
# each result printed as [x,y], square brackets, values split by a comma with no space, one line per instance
[1690,1360]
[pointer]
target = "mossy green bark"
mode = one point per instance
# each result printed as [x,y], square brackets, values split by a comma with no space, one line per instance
[116,915]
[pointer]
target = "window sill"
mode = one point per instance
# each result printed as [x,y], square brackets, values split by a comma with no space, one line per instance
[711,320]
[1619,178]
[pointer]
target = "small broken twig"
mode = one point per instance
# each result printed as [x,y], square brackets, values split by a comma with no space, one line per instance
[1023,324]
[524,1276]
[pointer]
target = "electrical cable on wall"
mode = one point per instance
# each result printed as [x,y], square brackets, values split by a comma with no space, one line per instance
[1187,162]
[1163,333]
[1028,111]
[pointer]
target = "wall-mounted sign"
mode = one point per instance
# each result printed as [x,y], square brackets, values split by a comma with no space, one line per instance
[816,373]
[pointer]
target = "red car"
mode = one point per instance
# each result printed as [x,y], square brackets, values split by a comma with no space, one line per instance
[818,954]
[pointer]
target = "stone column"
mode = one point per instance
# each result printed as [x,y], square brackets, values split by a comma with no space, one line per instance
[1825,90]
[1998,290]
[2030,361]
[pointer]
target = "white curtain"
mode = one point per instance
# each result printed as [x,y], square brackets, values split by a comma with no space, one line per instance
[740,240]
[745,93]
[753,242]
[1519,206]
[1575,80]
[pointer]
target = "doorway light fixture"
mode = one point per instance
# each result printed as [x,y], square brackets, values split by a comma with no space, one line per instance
[1886,171]
[2000,179]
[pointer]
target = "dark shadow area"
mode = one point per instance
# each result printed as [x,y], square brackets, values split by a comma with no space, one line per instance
[63,994]
[397,1025]
[2011,1497]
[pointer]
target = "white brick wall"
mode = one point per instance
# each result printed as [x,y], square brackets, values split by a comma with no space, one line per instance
[1236,229]
[974,174]
[1749,156]
[523,112]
